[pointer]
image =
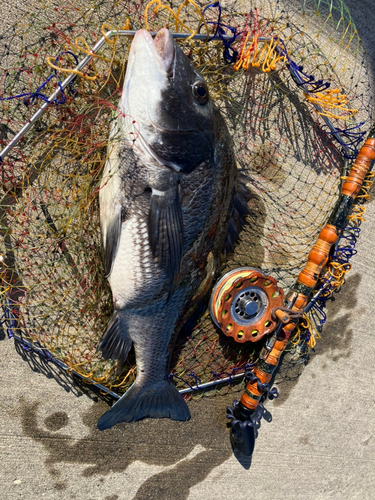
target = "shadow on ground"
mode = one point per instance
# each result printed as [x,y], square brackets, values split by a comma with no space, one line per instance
[155,442]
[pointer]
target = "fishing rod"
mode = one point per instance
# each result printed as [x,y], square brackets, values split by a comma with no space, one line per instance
[245,415]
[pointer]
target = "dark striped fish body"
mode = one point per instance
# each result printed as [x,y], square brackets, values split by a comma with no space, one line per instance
[165,205]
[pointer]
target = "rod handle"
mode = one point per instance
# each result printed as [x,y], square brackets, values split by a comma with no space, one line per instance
[360,168]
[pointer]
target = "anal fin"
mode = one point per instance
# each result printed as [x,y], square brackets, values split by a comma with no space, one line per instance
[116,342]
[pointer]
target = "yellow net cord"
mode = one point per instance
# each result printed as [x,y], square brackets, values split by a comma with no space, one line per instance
[263,55]
[176,15]
[303,325]
[329,100]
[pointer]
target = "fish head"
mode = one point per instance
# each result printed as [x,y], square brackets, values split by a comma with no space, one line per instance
[169,103]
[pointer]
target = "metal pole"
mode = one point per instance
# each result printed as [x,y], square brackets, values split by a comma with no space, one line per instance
[208,385]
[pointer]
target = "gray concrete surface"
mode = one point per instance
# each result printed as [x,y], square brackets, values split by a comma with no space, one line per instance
[319,445]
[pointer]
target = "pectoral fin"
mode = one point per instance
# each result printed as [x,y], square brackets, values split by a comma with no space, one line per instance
[165,230]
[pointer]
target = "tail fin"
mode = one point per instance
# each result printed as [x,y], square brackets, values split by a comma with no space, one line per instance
[161,400]
[115,343]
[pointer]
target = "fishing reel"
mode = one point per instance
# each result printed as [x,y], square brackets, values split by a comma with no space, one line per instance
[245,304]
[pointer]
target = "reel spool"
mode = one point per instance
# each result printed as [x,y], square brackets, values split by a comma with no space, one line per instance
[241,304]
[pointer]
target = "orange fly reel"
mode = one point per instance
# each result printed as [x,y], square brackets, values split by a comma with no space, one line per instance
[242,302]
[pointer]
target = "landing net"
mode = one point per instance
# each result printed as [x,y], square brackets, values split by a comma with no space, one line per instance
[293,87]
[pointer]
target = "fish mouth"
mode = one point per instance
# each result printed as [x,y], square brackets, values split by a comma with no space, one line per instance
[161,47]
[164,45]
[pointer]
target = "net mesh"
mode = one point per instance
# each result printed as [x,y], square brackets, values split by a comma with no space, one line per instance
[53,282]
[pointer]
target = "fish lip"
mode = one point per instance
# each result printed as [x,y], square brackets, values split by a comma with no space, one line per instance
[165,47]
[162,48]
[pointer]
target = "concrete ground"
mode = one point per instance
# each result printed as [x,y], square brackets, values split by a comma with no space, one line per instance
[319,445]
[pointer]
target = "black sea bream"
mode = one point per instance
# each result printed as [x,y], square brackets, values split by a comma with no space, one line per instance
[166,199]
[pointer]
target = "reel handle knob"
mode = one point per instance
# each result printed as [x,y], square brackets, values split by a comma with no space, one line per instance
[282,316]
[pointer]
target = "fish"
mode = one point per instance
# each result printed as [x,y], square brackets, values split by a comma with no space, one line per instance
[166,198]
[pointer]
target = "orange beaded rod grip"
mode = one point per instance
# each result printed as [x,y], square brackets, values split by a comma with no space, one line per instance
[264,370]
[360,168]
[308,277]
[318,256]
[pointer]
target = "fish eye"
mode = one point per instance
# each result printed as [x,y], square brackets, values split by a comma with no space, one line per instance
[200,92]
